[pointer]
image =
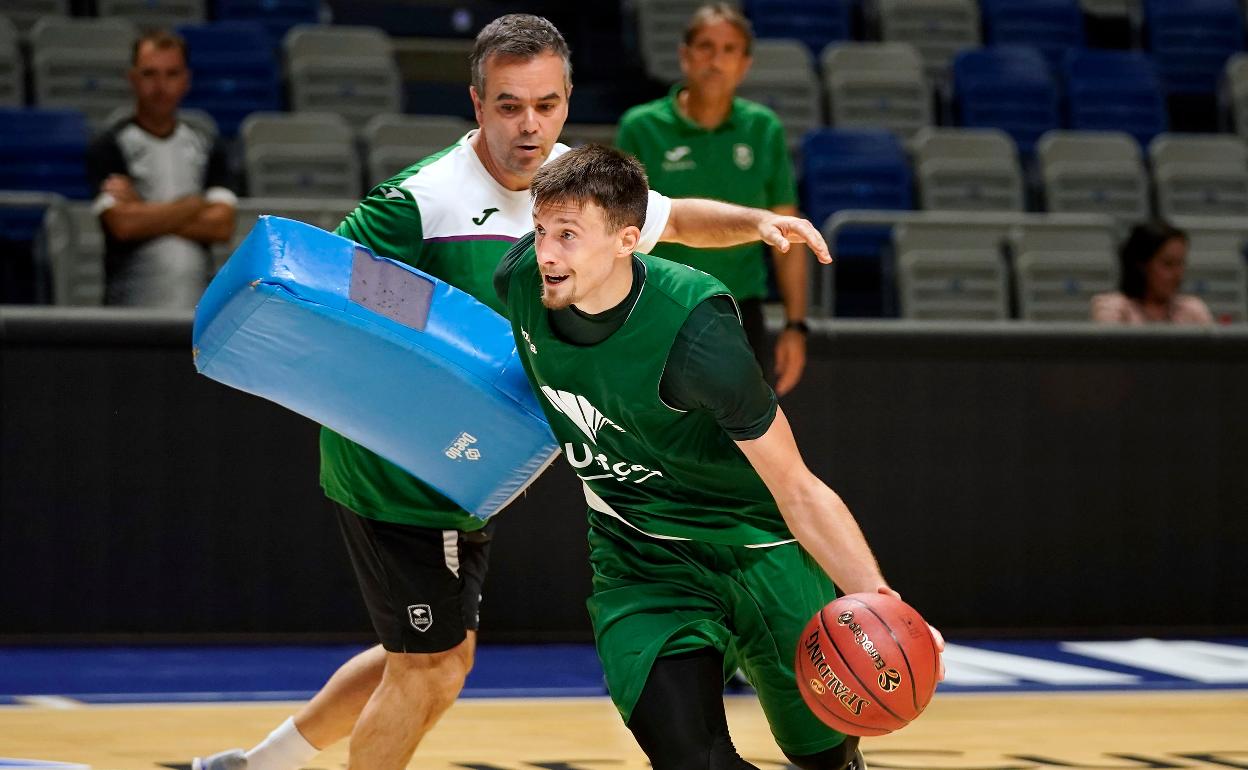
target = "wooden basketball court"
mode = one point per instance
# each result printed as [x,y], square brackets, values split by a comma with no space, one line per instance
[958,732]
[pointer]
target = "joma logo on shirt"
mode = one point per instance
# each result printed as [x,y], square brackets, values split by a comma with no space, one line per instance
[678,159]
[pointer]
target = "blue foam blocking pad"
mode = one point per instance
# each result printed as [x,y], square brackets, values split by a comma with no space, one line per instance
[392,358]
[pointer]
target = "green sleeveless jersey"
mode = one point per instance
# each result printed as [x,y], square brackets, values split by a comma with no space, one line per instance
[670,474]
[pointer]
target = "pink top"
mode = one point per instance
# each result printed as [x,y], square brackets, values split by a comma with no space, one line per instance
[1117,308]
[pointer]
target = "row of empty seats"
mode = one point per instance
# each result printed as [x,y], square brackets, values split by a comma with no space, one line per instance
[303,155]
[82,64]
[979,170]
[1191,38]
[276,16]
[1039,267]
[951,267]
[311,154]
[1008,87]
[352,70]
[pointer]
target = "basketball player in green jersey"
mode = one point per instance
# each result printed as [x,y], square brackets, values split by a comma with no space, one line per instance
[454,215]
[708,533]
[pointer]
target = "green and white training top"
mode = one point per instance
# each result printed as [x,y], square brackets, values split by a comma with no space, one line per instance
[447,216]
[665,472]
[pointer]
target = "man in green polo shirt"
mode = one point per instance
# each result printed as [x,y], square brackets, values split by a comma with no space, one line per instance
[701,140]
[709,537]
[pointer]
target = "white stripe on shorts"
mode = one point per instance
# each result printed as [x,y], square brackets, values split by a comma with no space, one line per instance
[596,502]
[450,550]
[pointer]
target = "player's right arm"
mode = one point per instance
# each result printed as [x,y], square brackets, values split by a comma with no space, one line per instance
[712,368]
[818,518]
[816,515]
[388,223]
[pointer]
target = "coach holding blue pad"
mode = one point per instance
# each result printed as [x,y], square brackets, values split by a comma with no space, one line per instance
[374,350]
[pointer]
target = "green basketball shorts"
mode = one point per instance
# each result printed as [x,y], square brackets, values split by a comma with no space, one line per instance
[656,597]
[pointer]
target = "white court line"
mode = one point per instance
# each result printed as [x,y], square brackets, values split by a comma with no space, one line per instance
[50,702]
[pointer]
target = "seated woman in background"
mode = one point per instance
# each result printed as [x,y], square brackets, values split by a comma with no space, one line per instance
[1153,261]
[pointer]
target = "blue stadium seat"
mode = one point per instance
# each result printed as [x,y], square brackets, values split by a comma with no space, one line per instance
[277,16]
[1114,91]
[1006,87]
[857,169]
[1191,41]
[814,22]
[44,150]
[1052,26]
[854,169]
[236,72]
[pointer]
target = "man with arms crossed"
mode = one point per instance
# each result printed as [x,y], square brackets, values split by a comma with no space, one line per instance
[429,550]
[162,187]
[707,531]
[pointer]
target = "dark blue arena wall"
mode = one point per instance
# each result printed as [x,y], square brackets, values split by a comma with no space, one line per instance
[1012,479]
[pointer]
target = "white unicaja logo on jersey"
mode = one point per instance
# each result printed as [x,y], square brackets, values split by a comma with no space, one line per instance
[577,409]
[591,422]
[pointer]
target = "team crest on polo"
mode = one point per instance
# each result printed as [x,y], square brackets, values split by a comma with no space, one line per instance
[743,156]
[421,616]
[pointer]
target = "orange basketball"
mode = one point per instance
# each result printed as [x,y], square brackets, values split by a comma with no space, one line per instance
[867,664]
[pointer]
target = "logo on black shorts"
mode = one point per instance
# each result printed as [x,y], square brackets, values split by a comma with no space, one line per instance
[421,617]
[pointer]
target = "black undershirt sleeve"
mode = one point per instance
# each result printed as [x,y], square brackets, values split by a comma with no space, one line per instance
[712,367]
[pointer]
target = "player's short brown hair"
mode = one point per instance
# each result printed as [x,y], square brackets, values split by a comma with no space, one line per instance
[161,40]
[716,12]
[613,180]
[520,36]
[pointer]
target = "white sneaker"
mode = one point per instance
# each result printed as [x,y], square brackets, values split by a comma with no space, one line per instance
[234,759]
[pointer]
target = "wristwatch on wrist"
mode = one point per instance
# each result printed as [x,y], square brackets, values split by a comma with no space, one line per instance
[800,326]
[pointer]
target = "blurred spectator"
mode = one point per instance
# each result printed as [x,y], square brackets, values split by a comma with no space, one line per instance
[702,141]
[162,189]
[1152,264]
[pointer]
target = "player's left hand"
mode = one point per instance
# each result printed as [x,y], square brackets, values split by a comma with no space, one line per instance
[790,360]
[782,231]
[937,638]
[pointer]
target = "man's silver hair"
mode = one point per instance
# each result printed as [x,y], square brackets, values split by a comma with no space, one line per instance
[520,36]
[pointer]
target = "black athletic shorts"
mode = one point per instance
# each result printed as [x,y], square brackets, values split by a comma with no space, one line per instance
[422,586]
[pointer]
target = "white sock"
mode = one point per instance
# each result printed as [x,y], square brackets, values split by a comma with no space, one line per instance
[284,749]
